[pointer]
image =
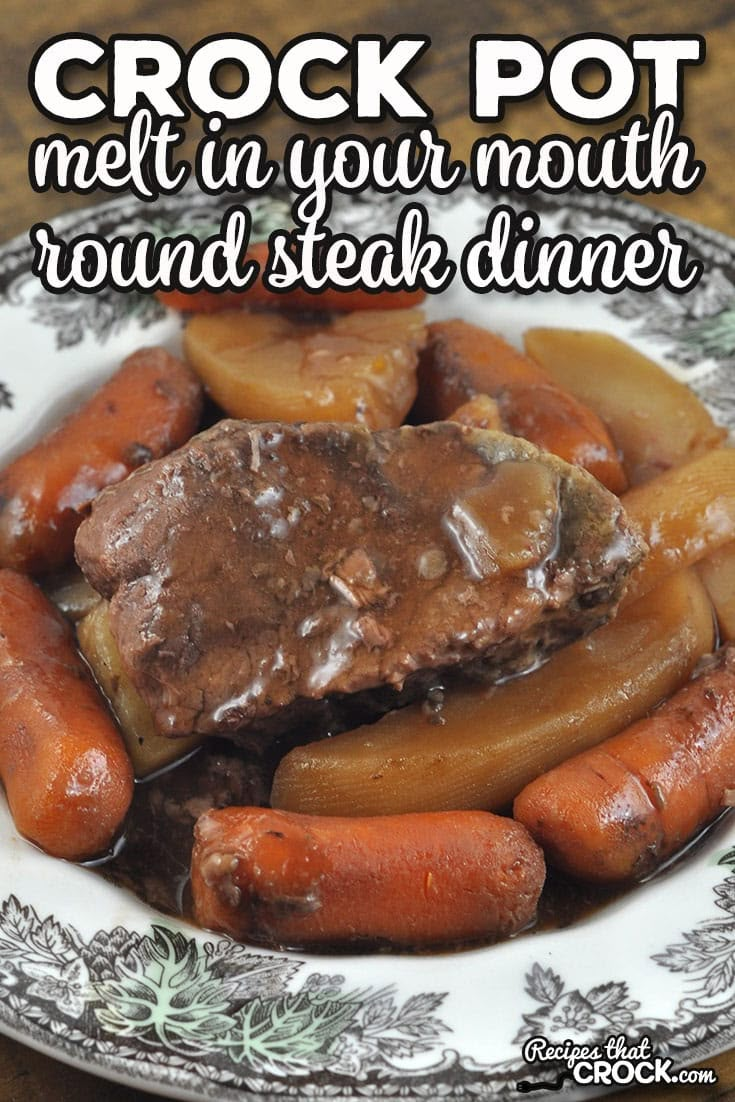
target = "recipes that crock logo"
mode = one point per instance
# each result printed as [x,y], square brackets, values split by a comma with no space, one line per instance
[614,1062]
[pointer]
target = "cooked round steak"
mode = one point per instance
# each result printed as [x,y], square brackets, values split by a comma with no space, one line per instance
[264,566]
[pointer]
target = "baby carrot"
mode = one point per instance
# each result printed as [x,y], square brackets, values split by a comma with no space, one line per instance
[66,774]
[257,295]
[410,880]
[461,360]
[617,811]
[148,408]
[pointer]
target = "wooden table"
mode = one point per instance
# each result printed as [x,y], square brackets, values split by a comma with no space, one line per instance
[440,78]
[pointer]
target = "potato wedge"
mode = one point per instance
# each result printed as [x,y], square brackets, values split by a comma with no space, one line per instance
[486,744]
[685,515]
[717,572]
[358,367]
[656,421]
[480,412]
[148,750]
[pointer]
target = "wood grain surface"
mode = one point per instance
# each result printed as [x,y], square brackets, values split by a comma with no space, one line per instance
[441,79]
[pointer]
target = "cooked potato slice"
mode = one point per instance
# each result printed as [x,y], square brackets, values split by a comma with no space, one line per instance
[149,750]
[685,515]
[358,367]
[656,421]
[480,412]
[718,574]
[486,744]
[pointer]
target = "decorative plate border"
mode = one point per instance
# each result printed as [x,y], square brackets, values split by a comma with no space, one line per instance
[208,1015]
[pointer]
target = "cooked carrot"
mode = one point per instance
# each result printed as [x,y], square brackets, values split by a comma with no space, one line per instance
[461,360]
[616,812]
[259,297]
[150,406]
[67,776]
[212,302]
[409,880]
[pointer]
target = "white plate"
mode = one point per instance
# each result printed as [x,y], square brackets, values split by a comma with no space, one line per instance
[91,975]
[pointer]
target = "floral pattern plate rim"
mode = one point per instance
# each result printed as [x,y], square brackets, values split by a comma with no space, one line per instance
[93,976]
